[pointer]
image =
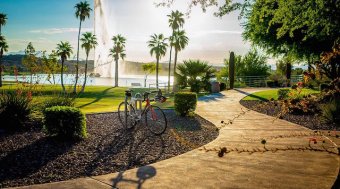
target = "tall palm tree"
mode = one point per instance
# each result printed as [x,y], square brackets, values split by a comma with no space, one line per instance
[176,21]
[3,20]
[157,46]
[3,48]
[179,42]
[89,41]
[83,11]
[64,50]
[118,50]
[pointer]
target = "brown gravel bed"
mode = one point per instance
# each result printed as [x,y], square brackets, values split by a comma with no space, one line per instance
[310,121]
[31,157]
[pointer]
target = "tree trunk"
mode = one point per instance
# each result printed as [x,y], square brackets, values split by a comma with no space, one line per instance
[231,70]
[157,66]
[83,88]
[61,75]
[116,73]
[53,78]
[288,73]
[169,75]
[77,66]
[175,87]
[0,71]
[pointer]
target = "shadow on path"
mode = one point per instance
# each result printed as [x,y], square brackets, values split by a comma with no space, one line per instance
[251,95]
[211,97]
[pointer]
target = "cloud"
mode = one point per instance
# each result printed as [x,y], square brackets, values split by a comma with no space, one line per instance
[51,31]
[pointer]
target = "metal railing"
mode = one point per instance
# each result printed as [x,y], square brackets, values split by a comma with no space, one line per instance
[260,81]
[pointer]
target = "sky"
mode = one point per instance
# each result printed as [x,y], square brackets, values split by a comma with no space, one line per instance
[47,22]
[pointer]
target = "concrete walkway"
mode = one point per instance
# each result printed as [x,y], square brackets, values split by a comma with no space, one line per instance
[201,169]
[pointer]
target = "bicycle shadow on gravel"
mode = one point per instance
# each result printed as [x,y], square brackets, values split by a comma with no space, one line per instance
[130,148]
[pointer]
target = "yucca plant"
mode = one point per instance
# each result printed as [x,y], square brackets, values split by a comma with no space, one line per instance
[331,112]
[14,110]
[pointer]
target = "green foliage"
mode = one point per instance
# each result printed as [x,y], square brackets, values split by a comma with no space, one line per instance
[289,26]
[14,110]
[283,94]
[63,100]
[251,64]
[185,102]
[196,74]
[331,112]
[64,121]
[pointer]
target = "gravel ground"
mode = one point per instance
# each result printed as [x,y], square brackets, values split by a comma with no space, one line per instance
[31,157]
[310,121]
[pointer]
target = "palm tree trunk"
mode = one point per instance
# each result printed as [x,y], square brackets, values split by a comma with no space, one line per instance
[0,30]
[116,73]
[169,74]
[62,75]
[83,88]
[0,72]
[77,66]
[157,66]
[175,88]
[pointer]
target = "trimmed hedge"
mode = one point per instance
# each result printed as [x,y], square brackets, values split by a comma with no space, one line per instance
[64,121]
[283,93]
[185,102]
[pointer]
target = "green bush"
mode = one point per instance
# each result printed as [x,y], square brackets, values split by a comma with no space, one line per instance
[14,110]
[223,86]
[185,102]
[283,94]
[331,112]
[324,86]
[59,101]
[64,121]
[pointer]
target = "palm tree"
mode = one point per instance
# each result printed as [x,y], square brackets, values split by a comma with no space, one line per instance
[179,42]
[194,73]
[83,10]
[3,20]
[64,50]
[176,21]
[89,41]
[3,48]
[118,50]
[158,47]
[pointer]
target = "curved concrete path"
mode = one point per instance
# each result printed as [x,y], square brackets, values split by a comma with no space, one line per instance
[201,169]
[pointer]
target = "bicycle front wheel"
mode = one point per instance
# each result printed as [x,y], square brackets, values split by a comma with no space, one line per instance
[155,120]
[126,114]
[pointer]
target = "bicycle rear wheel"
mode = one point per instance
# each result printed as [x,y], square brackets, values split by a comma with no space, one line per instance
[126,118]
[155,120]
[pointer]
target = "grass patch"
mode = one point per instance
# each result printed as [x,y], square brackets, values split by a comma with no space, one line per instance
[267,95]
[95,98]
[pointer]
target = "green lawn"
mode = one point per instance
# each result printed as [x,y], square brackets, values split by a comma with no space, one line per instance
[268,94]
[94,99]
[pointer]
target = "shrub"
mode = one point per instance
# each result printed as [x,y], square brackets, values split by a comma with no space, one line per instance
[272,83]
[14,110]
[283,94]
[324,86]
[59,101]
[331,112]
[185,102]
[64,121]
[223,86]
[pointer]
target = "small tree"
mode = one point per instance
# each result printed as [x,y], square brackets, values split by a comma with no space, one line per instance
[148,69]
[3,48]
[30,60]
[330,62]
[50,65]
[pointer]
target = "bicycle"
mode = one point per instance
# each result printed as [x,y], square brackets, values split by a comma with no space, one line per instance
[155,118]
